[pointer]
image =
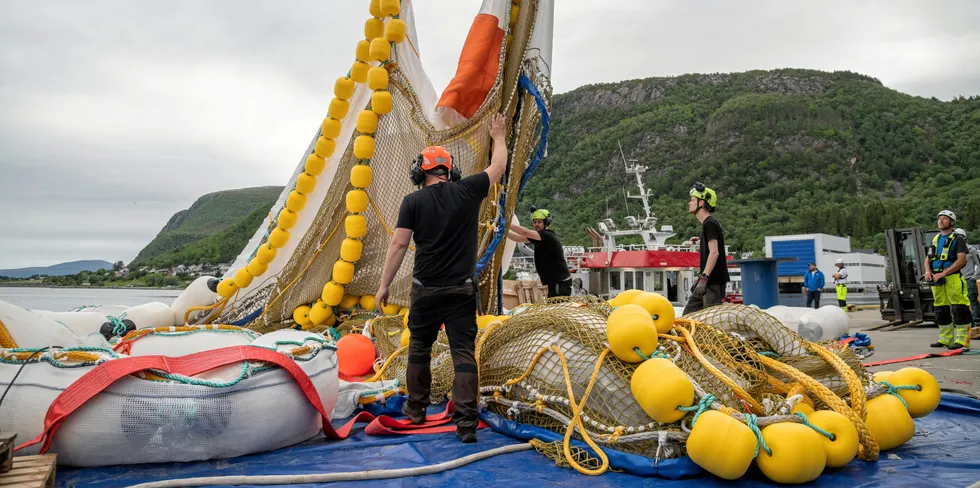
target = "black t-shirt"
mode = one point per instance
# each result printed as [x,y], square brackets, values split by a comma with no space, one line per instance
[711,229]
[549,258]
[444,219]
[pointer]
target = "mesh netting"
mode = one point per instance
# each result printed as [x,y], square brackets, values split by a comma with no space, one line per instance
[536,366]
[750,329]
[401,135]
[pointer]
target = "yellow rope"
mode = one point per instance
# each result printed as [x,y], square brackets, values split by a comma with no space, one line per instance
[190,310]
[798,389]
[6,340]
[303,271]
[868,449]
[577,419]
[76,356]
[382,219]
[379,375]
[853,383]
[743,395]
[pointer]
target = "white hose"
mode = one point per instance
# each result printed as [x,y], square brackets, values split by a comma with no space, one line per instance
[378,474]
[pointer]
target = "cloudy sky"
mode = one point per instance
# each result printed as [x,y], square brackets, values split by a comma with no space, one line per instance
[116,114]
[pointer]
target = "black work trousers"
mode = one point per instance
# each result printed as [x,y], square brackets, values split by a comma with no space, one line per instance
[560,289]
[454,306]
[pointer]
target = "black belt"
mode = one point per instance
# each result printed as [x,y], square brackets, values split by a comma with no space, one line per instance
[469,281]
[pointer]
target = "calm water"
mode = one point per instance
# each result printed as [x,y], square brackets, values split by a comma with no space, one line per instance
[65,299]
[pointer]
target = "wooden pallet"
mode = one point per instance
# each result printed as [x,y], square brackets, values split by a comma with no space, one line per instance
[30,472]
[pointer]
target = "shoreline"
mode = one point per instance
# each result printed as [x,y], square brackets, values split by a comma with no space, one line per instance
[90,287]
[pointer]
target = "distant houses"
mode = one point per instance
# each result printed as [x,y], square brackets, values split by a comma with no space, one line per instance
[190,270]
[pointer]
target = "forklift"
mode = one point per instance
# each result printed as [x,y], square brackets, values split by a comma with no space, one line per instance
[906,300]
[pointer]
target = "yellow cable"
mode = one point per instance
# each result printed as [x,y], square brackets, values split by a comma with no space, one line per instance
[868,449]
[6,340]
[382,219]
[743,395]
[577,419]
[303,271]
[576,407]
[190,310]
[850,377]
[378,376]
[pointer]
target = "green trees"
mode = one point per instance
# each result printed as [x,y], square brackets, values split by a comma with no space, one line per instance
[788,151]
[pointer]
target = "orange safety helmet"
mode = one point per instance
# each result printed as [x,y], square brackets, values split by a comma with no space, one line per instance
[431,158]
[435,156]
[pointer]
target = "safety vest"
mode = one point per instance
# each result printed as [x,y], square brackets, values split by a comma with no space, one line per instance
[943,259]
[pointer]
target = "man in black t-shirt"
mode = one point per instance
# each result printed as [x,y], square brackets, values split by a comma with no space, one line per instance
[549,256]
[443,218]
[709,289]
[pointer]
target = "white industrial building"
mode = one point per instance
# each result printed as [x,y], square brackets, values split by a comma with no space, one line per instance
[864,269]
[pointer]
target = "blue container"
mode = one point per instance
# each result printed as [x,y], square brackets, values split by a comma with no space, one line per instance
[760,284]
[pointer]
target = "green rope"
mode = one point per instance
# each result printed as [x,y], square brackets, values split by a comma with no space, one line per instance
[751,420]
[807,423]
[118,327]
[701,407]
[893,390]
[656,354]
[769,354]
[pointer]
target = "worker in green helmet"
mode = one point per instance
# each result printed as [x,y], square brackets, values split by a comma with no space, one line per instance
[709,288]
[947,257]
[549,255]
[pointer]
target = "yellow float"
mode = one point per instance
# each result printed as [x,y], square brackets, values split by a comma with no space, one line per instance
[918,388]
[659,387]
[630,328]
[796,453]
[714,429]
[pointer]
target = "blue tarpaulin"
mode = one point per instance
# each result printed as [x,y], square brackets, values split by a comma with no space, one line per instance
[944,452]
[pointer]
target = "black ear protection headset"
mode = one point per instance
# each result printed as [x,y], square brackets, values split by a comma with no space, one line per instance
[547,220]
[418,175]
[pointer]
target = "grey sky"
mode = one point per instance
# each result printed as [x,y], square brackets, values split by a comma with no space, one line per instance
[116,114]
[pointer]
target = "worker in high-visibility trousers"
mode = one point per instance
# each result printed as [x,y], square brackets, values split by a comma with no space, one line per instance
[840,281]
[946,258]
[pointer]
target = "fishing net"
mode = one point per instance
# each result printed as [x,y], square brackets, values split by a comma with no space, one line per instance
[750,330]
[549,366]
[401,135]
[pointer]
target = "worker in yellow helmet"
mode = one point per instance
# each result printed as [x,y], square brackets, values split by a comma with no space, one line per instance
[549,255]
[947,257]
[709,288]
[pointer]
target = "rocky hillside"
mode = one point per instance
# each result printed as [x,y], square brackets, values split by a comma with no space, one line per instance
[209,215]
[787,151]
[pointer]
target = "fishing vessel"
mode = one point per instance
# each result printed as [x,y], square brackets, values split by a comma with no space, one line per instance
[610,266]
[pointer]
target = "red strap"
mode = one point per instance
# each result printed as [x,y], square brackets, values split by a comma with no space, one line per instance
[385,425]
[105,374]
[954,352]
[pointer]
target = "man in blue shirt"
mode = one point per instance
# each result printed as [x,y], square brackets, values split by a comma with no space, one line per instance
[813,282]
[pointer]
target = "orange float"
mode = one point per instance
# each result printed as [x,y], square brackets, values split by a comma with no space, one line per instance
[355,354]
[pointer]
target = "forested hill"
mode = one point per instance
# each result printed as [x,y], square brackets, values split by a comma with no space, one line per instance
[788,151]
